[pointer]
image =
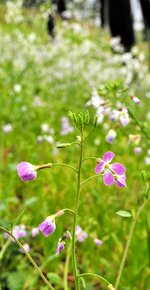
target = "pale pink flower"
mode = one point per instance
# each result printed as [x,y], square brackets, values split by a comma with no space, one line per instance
[113,173]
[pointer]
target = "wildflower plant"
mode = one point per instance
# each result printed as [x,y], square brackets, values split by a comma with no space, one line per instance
[110,173]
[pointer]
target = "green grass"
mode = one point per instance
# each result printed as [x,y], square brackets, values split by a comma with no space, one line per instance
[62,74]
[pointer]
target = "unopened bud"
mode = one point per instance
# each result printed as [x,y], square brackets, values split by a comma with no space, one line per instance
[98,160]
[63,145]
[80,121]
[78,138]
[86,118]
[95,122]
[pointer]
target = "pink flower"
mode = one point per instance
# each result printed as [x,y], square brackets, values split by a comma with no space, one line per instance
[112,172]
[34,232]
[26,171]
[26,248]
[120,180]
[48,226]
[98,242]
[136,100]
[80,234]
[60,247]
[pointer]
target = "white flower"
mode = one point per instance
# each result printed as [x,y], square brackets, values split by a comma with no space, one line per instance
[7,128]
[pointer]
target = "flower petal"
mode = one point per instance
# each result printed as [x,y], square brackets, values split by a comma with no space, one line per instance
[108,156]
[47,228]
[118,168]
[26,171]
[108,178]
[121,181]
[99,168]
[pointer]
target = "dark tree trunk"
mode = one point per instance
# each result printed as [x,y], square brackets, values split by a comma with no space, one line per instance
[120,21]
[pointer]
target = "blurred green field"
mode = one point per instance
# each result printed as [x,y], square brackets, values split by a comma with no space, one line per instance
[40,81]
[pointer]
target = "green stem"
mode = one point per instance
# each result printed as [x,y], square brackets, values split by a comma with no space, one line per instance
[67,267]
[66,165]
[70,210]
[94,275]
[139,124]
[88,158]
[91,177]
[29,258]
[4,248]
[75,270]
[124,257]
[43,166]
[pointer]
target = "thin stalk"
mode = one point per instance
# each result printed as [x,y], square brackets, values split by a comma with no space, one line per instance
[139,124]
[75,270]
[29,258]
[4,248]
[124,257]
[94,275]
[88,158]
[66,270]
[89,178]
[70,210]
[66,165]
[43,166]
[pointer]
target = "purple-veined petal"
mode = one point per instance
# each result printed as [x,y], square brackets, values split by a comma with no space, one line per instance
[60,247]
[121,181]
[108,156]
[118,168]
[99,168]
[108,178]
[26,171]
[47,227]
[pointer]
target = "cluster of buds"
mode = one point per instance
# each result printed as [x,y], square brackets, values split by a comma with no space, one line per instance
[81,120]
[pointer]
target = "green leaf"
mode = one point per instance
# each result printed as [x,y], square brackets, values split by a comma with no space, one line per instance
[123,213]
[54,278]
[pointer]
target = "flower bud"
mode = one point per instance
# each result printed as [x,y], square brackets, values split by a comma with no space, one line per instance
[63,145]
[26,171]
[60,247]
[47,227]
[95,122]
[78,138]
[98,160]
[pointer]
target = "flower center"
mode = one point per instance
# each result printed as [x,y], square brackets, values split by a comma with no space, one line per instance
[106,165]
